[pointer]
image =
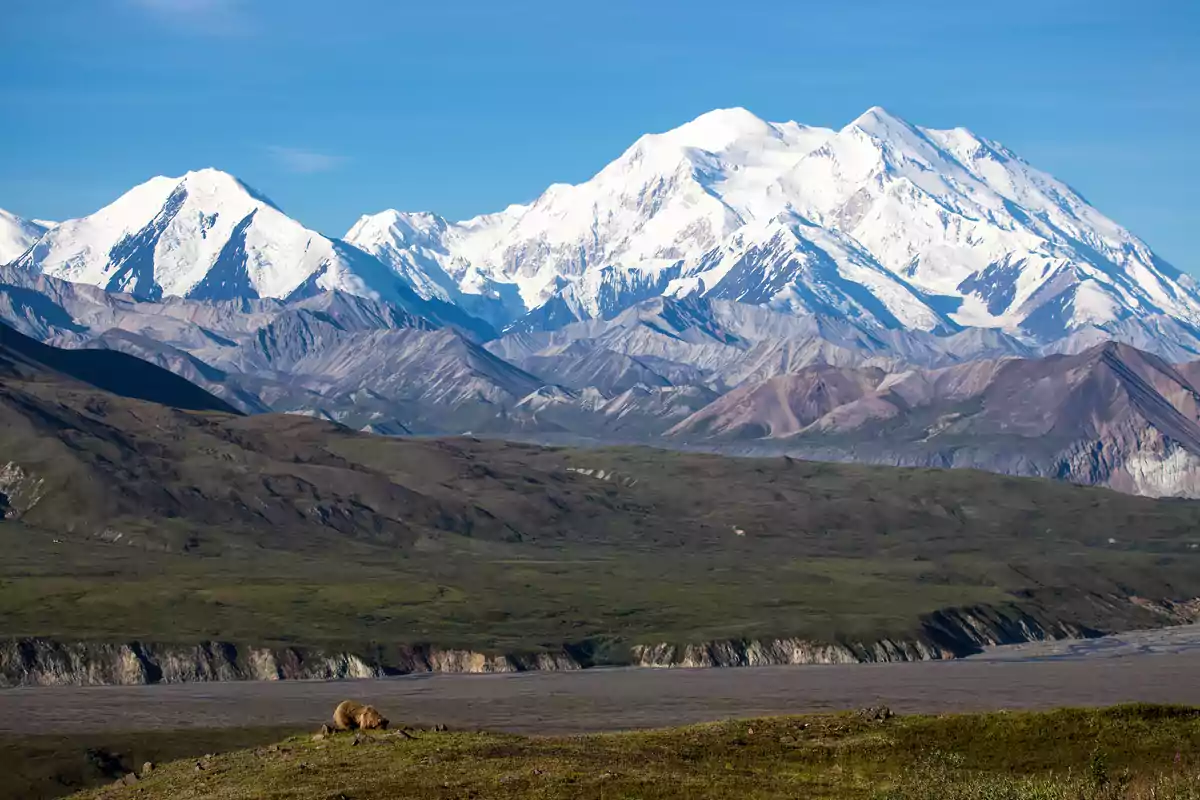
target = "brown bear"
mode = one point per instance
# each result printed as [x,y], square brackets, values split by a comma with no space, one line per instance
[350,715]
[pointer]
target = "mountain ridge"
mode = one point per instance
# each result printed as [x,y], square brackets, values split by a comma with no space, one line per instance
[988,239]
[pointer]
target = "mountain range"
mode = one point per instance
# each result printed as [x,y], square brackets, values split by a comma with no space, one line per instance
[883,292]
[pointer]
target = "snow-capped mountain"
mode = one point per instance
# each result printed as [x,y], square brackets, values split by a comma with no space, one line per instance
[621,235]
[964,218]
[206,236]
[17,235]
[882,221]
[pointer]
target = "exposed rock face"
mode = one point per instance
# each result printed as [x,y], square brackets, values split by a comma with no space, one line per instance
[465,661]
[1110,416]
[19,491]
[946,634]
[774,652]
[950,633]
[42,662]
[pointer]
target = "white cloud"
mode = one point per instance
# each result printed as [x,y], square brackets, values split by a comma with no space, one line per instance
[305,162]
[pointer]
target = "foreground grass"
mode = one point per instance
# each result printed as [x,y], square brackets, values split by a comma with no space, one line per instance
[1124,753]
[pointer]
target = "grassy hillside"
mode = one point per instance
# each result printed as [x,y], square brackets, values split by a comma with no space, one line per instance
[129,520]
[1127,752]
[564,558]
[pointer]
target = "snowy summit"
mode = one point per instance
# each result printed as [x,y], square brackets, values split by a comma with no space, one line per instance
[882,221]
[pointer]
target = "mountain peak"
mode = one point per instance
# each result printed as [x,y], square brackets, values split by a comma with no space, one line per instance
[209,173]
[212,181]
[734,116]
[878,121]
[396,228]
[1114,349]
[715,130]
[875,114]
[883,221]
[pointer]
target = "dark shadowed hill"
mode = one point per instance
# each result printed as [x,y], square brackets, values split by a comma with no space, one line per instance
[26,359]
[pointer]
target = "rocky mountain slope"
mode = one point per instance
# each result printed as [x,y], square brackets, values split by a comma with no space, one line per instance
[1111,415]
[692,373]
[333,355]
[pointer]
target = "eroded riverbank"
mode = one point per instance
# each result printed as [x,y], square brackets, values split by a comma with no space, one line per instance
[1157,666]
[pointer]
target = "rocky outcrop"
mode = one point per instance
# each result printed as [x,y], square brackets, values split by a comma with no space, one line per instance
[42,662]
[19,491]
[1148,465]
[776,652]
[466,661]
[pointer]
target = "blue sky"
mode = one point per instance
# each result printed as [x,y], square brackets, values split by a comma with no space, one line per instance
[335,109]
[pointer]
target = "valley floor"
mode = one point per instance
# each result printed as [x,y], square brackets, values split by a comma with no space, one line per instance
[597,700]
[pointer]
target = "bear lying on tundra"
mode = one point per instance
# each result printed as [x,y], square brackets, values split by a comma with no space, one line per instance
[350,716]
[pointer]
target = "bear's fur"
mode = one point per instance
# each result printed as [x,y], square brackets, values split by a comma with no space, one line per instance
[350,716]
